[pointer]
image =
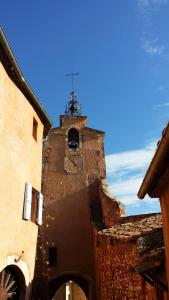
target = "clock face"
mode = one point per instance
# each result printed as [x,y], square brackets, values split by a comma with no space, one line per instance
[73,164]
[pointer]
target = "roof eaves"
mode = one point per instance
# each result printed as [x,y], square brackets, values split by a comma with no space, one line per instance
[155,168]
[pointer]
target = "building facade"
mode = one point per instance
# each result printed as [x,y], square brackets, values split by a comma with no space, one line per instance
[156,185]
[76,205]
[130,260]
[24,124]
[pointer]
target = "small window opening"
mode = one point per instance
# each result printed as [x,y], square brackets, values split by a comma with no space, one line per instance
[33,205]
[52,256]
[73,138]
[35,129]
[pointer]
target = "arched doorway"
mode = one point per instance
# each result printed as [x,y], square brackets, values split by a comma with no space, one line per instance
[69,287]
[12,283]
[70,291]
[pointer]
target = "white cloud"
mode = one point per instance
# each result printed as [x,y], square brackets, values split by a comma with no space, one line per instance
[165,104]
[148,3]
[130,160]
[150,44]
[152,48]
[125,172]
[127,187]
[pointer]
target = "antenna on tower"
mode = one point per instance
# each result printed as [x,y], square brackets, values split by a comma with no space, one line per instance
[72,75]
[73,107]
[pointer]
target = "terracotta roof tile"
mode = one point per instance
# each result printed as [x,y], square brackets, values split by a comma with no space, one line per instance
[135,229]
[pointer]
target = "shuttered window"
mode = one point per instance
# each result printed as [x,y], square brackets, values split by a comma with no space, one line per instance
[27,202]
[35,129]
[33,205]
[40,209]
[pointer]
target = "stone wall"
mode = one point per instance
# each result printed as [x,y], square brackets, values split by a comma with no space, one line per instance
[112,209]
[116,278]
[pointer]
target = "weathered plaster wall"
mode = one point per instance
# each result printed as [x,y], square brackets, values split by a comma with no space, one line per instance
[112,209]
[72,203]
[67,214]
[20,162]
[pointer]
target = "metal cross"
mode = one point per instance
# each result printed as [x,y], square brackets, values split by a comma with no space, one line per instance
[72,77]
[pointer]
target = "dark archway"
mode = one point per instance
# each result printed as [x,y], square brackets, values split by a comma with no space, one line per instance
[55,284]
[12,283]
[73,138]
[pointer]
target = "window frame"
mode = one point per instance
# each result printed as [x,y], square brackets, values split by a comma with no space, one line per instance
[35,129]
[33,205]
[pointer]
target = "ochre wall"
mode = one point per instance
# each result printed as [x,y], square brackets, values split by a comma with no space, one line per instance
[164,202]
[112,210]
[116,278]
[68,199]
[61,293]
[20,162]
[77,292]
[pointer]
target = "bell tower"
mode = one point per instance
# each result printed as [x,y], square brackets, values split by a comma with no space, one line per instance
[76,205]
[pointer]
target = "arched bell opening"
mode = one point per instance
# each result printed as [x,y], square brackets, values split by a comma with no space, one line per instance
[12,283]
[73,138]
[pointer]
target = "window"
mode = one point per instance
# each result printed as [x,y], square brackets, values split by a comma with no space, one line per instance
[52,256]
[35,129]
[33,205]
[73,138]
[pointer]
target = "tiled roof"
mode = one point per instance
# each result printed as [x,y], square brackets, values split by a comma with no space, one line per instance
[133,230]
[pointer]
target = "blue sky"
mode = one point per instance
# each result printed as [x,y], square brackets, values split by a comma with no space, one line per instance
[121,50]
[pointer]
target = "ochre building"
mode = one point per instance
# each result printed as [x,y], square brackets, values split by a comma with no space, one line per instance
[155,184]
[24,124]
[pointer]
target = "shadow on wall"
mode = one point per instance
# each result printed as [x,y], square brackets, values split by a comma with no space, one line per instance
[73,204]
[56,231]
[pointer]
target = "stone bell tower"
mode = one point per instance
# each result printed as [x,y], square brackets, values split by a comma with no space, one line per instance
[76,204]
